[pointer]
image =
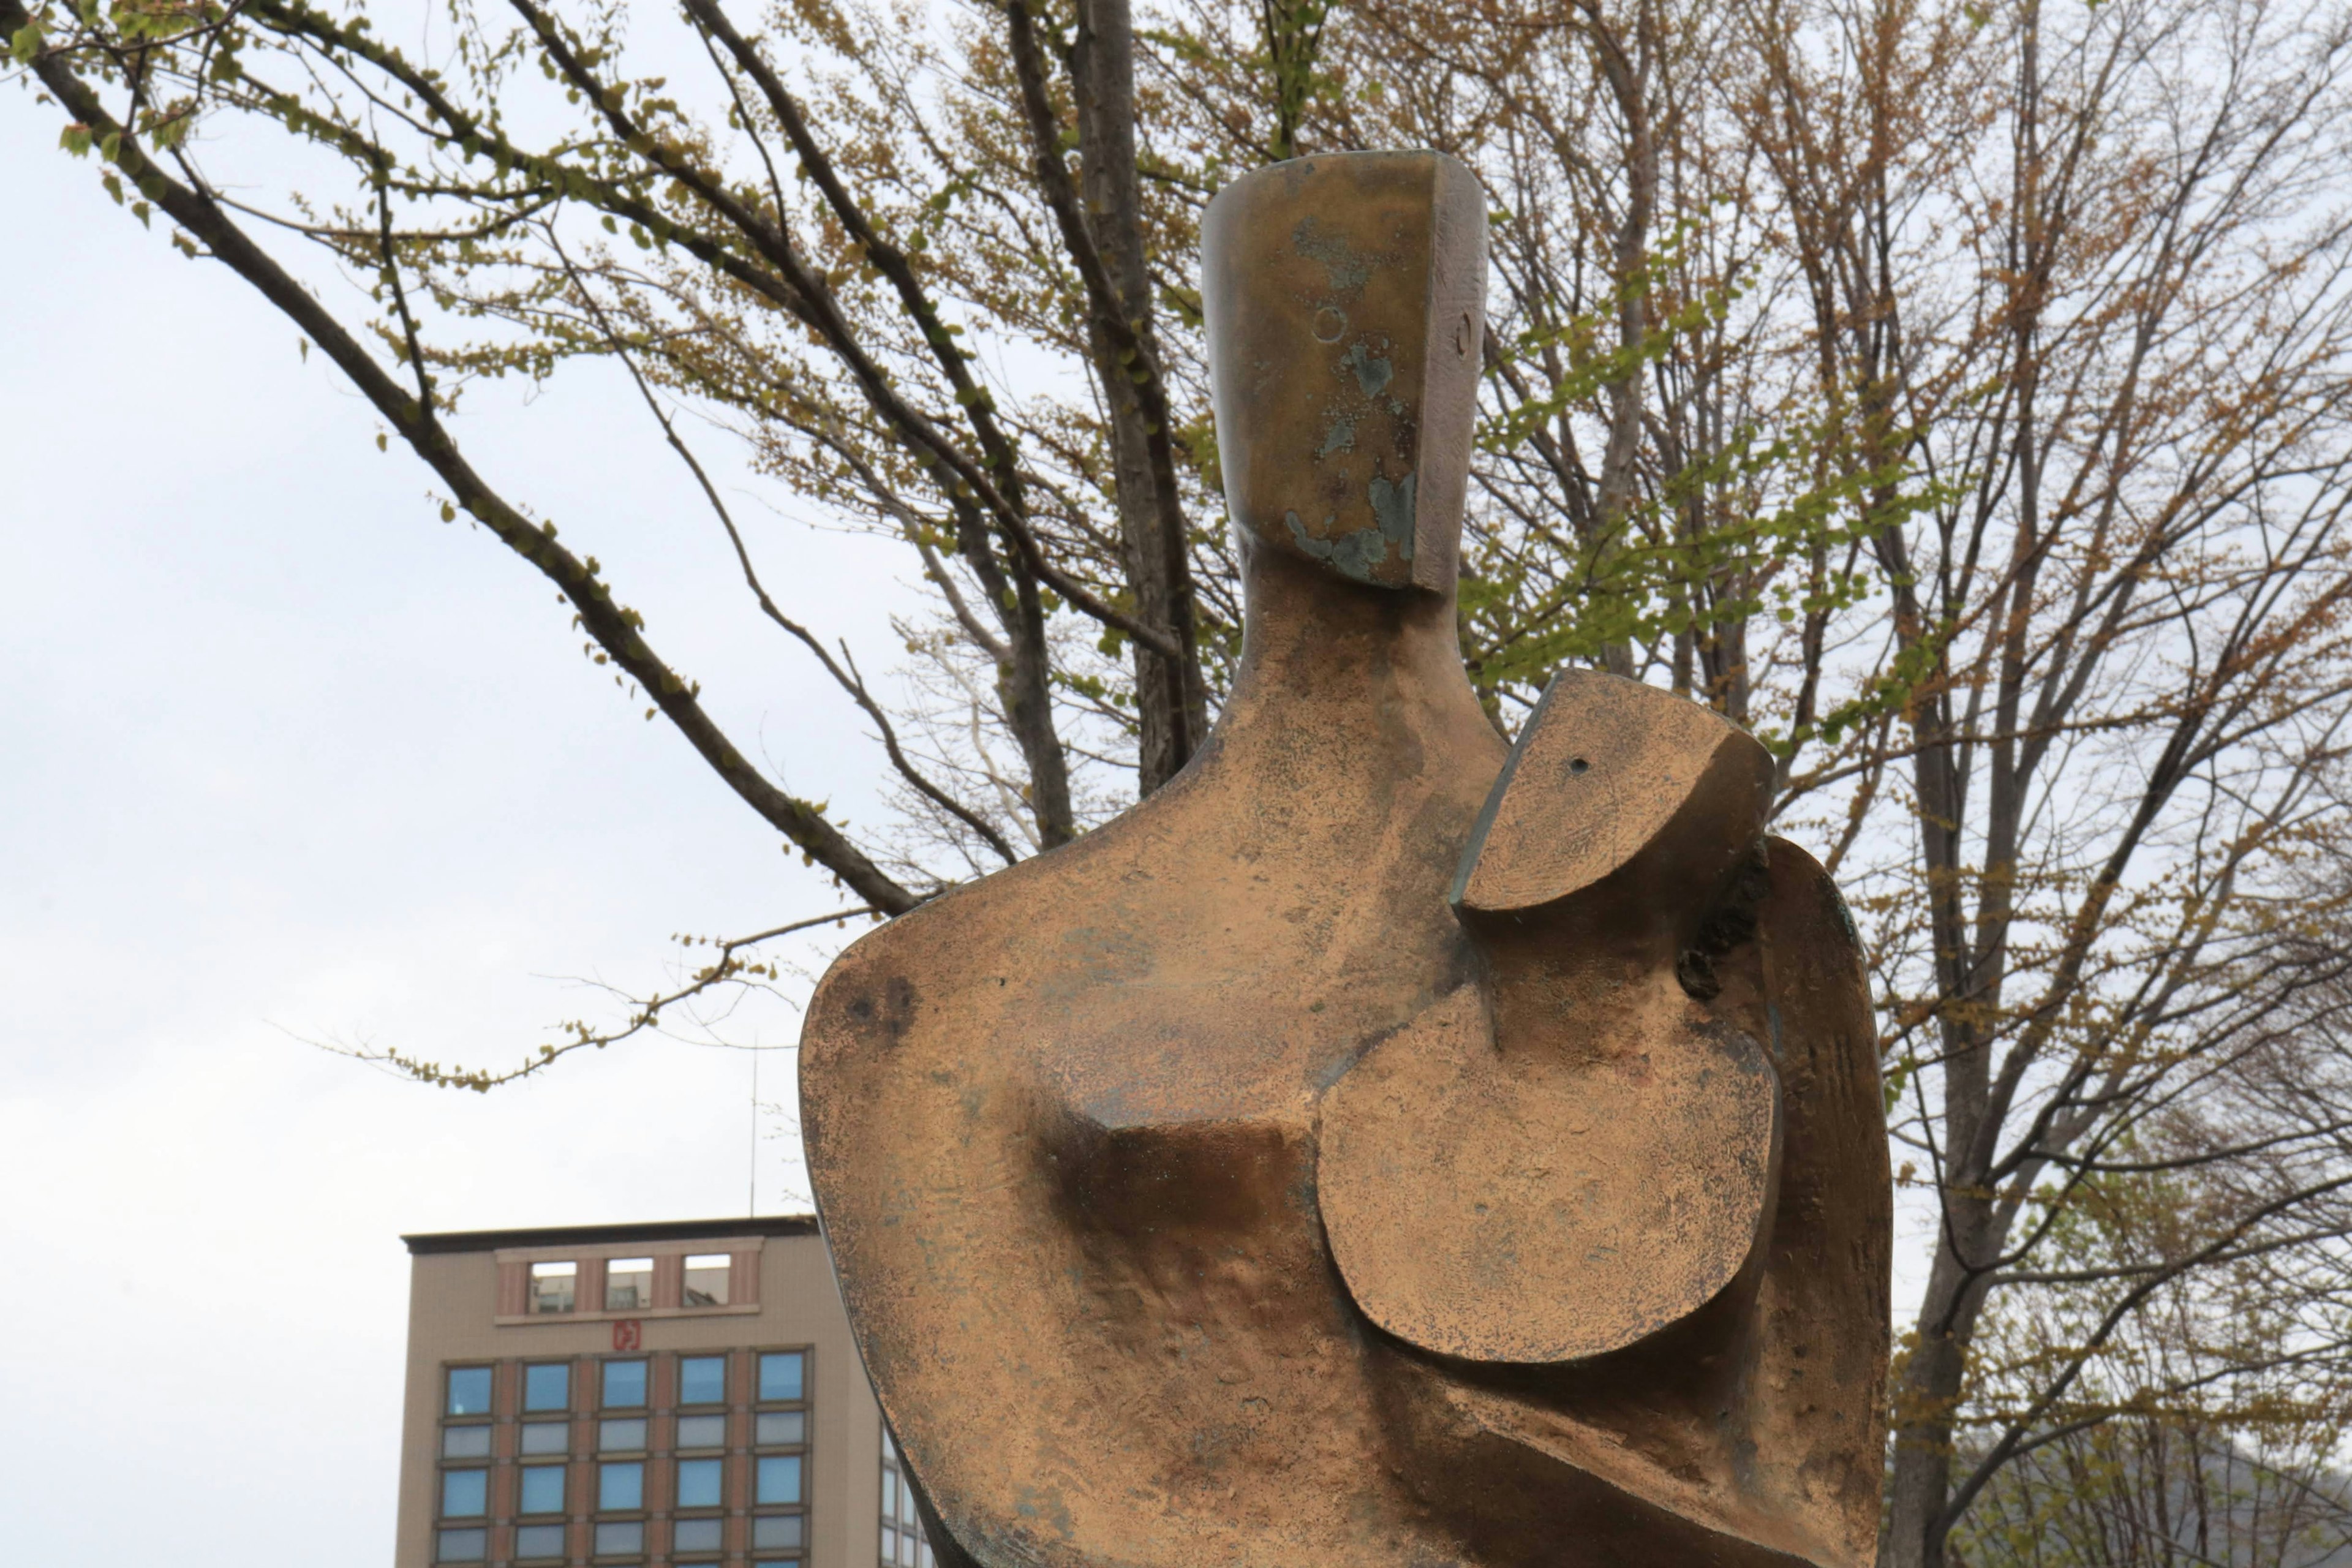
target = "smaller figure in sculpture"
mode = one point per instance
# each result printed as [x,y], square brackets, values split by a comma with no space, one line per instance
[1381,1148]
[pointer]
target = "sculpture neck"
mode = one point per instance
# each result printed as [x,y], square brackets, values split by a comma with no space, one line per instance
[1356,685]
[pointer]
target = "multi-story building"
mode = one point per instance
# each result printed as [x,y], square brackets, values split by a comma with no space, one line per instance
[675,1396]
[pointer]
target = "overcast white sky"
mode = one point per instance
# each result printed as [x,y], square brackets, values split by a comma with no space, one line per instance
[280,756]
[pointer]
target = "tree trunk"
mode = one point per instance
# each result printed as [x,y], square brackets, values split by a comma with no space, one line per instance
[1926,1393]
[1171,698]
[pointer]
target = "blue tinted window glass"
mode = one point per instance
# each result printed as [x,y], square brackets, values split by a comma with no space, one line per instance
[463,1546]
[542,1489]
[702,1380]
[547,1387]
[624,1384]
[540,1540]
[621,1485]
[464,1494]
[780,1478]
[698,1535]
[698,1483]
[780,1376]
[776,1529]
[620,1538]
[469,1390]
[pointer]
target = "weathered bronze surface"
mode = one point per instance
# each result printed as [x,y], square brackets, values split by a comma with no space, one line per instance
[1373,1151]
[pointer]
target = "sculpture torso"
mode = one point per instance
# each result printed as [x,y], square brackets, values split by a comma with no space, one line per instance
[1066,1121]
[1092,1082]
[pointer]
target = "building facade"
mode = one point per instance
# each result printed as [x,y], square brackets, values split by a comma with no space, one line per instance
[674,1395]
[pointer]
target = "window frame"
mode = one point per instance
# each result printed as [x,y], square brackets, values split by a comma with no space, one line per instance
[678,1402]
[605,1466]
[531,1286]
[441,1534]
[702,1556]
[753,1451]
[490,1431]
[645,1434]
[441,1513]
[760,1375]
[524,1425]
[562,1509]
[524,1368]
[685,1266]
[702,1450]
[563,1527]
[651,1264]
[898,1507]
[598,1524]
[715,1464]
[449,1368]
[645,1405]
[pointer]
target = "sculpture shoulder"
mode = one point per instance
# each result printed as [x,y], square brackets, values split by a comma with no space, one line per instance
[971,950]
[883,984]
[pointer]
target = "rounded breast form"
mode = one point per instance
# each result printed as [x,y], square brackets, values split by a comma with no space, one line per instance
[1541,1205]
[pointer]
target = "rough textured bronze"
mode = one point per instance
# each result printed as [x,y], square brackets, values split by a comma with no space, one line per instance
[1617,825]
[1359,1153]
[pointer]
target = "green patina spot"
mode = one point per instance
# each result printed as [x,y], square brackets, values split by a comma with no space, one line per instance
[1349,268]
[1360,552]
[1372,376]
[1340,437]
[1357,554]
[1392,505]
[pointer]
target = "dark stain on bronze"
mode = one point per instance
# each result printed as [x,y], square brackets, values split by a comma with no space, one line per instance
[1372,1149]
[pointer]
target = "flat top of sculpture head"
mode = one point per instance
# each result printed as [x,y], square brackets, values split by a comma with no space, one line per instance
[1345,303]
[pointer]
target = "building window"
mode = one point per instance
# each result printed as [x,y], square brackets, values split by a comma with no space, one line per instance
[702,1431]
[547,1437]
[536,1540]
[547,1386]
[702,1380]
[462,1546]
[706,1278]
[780,1375]
[464,1494]
[698,1483]
[624,1385]
[621,1488]
[625,1436]
[542,1489]
[553,1287]
[469,1390]
[904,1544]
[779,1478]
[698,1535]
[620,1538]
[771,1531]
[629,1285]
[466,1442]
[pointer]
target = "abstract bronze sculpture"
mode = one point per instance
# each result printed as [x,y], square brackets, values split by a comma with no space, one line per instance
[1373,1151]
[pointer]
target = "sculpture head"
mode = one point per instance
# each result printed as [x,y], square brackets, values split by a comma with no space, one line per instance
[1345,298]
